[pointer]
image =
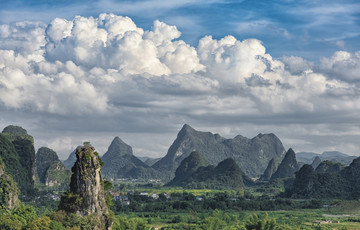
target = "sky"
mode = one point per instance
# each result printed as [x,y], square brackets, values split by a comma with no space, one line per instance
[74,71]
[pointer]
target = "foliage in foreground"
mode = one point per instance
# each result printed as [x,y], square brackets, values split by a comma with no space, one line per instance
[26,217]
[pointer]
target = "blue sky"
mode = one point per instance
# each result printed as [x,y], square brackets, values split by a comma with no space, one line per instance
[309,29]
[289,68]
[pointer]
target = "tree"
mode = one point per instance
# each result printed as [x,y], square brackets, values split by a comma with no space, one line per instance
[256,223]
[41,223]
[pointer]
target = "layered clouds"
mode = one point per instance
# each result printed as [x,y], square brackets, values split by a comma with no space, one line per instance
[90,78]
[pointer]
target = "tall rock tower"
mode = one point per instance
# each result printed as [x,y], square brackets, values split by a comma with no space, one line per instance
[86,196]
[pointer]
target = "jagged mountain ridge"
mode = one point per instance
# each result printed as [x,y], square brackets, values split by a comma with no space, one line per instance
[335,156]
[252,155]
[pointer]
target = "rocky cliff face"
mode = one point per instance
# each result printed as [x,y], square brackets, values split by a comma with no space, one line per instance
[8,190]
[334,156]
[287,167]
[269,171]
[86,196]
[252,155]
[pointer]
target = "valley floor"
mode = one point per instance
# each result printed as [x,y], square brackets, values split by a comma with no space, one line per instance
[193,210]
[296,219]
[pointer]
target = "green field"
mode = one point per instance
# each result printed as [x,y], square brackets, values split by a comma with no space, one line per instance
[286,213]
[296,219]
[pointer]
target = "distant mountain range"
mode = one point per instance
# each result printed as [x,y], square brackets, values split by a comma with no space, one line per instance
[70,161]
[252,155]
[335,156]
[149,160]
[195,160]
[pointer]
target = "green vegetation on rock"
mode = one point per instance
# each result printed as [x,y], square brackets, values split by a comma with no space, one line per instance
[57,177]
[119,162]
[8,189]
[195,172]
[327,183]
[329,167]
[44,158]
[18,153]
[51,170]
[86,198]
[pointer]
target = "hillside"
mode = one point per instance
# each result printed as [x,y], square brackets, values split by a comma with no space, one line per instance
[44,158]
[51,171]
[329,167]
[327,181]
[187,168]
[335,156]
[18,153]
[195,172]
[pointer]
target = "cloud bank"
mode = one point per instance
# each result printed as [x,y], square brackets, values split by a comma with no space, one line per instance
[106,74]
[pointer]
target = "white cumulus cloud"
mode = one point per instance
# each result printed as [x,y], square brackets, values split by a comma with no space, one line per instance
[109,73]
[343,66]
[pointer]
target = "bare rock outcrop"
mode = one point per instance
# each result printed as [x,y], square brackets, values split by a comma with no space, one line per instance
[86,196]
